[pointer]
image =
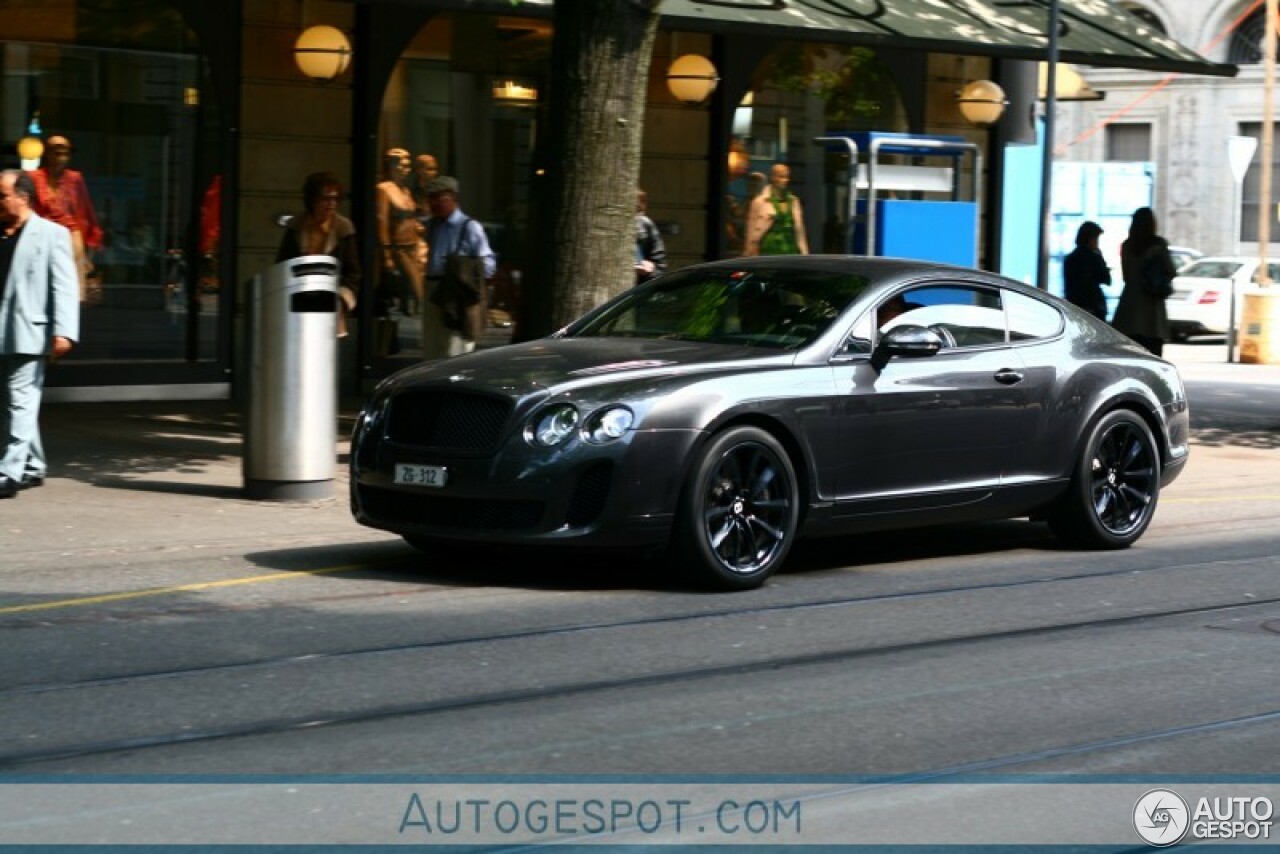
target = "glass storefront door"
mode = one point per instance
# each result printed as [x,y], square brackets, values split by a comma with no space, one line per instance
[124,86]
[466,92]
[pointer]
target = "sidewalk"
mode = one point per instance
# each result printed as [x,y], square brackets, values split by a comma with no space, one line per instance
[1206,360]
[167,475]
[130,479]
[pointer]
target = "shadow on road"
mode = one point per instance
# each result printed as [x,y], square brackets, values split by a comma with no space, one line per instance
[532,568]
[1221,417]
[473,566]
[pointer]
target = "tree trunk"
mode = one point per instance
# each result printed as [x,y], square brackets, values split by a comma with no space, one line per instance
[585,199]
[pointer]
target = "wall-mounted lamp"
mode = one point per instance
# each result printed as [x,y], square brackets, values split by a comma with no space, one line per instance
[692,79]
[1068,85]
[322,52]
[30,148]
[981,103]
[513,92]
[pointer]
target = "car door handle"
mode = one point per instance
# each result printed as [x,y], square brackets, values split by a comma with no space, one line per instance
[1008,376]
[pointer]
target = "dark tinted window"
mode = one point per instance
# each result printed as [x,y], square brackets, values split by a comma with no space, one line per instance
[760,307]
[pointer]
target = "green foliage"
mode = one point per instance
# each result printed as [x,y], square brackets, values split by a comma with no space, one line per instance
[852,82]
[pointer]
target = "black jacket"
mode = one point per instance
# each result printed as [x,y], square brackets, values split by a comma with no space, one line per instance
[1084,272]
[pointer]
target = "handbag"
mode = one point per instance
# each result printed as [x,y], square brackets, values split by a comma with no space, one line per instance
[1156,278]
[460,295]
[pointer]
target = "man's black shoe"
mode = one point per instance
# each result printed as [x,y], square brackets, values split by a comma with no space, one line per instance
[8,487]
[31,481]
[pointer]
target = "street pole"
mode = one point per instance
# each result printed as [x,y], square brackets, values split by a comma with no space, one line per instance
[1268,142]
[1046,158]
[1240,150]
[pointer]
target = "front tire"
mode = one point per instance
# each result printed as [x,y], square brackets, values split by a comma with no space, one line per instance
[1114,488]
[740,510]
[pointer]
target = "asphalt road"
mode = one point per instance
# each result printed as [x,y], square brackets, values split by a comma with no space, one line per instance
[292,641]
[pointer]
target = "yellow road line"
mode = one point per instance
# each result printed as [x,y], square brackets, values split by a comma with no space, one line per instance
[303,573]
[181,588]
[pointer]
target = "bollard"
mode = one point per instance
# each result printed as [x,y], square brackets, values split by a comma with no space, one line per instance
[1260,325]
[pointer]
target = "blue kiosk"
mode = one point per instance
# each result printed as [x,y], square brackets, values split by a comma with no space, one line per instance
[910,210]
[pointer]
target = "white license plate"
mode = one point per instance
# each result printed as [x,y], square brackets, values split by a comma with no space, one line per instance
[419,475]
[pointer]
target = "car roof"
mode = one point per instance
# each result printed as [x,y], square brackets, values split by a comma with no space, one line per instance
[886,272]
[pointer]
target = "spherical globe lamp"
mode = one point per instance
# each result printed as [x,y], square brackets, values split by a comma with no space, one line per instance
[981,103]
[322,52]
[692,79]
[30,148]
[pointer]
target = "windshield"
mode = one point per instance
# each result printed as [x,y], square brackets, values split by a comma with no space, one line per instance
[1211,269]
[761,307]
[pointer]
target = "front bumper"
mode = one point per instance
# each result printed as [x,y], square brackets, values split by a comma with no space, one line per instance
[623,494]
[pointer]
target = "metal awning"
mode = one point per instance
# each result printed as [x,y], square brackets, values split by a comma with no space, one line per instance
[1093,32]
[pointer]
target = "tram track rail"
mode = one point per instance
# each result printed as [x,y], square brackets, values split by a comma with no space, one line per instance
[647,621]
[278,725]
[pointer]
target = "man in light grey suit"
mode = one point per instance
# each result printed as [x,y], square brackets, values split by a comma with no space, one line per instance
[39,320]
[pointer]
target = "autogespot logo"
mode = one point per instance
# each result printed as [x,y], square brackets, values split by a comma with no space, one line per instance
[1161,817]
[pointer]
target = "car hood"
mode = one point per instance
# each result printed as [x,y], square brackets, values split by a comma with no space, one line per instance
[558,364]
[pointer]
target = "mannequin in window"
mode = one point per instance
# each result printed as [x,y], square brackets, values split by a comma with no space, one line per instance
[400,249]
[775,221]
[61,196]
[425,167]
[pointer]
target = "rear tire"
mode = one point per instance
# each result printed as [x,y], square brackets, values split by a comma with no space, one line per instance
[1114,488]
[740,510]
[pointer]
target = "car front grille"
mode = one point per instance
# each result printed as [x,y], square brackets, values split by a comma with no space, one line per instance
[448,420]
[438,511]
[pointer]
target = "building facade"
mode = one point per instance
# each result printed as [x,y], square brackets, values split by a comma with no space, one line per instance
[194,129]
[1182,123]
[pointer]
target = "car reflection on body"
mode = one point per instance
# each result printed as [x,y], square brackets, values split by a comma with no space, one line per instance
[719,412]
[1201,300]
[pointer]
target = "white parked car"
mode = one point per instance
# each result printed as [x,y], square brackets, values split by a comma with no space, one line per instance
[1201,299]
[1182,256]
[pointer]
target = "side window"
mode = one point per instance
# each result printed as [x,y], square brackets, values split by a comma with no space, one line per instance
[965,316]
[1030,318]
[859,340]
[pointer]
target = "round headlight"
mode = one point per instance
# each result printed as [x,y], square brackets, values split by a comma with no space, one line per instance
[608,424]
[551,426]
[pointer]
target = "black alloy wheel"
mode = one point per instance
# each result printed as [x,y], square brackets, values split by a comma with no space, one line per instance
[1115,487]
[740,511]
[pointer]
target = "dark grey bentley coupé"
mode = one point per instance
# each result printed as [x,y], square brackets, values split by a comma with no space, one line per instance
[723,410]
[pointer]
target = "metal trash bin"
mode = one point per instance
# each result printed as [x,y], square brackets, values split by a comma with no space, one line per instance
[290,439]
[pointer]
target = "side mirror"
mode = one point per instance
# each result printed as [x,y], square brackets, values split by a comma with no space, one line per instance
[908,341]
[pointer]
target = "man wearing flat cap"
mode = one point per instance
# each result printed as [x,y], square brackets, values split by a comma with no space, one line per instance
[454,315]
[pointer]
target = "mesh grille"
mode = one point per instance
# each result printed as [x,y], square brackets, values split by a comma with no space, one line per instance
[589,494]
[448,420]
[449,512]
